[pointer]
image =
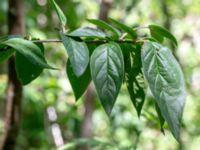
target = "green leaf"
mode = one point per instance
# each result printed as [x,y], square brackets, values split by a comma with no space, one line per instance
[166,82]
[157,36]
[5,53]
[159,32]
[133,75]
[104,25]
[29,50]
[125,28]
[161,119]
[6,37]
[87,32]
[79,84]
[107,70]
[78,54]
[27,71]
[61,16]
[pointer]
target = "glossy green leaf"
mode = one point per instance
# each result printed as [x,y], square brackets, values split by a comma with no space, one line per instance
[27,71]
[87,32]
[166,82]
[78,54]
[104,25]
[159,32]
[79,84]
[161,119]
[61,16]
[124,27]
[29,50]
[133,75]
[107,70]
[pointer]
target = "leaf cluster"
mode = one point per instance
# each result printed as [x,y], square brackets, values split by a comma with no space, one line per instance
[110,55]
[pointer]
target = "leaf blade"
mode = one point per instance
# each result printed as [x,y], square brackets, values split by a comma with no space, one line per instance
[133,75]
[78,54]
[161,119]
[125,28]
[106,26]
[29,50]
[166,82]
[87,32]
[107,70]
[78,84]
[27,71]
[163,32]
[5,54]
[61,16]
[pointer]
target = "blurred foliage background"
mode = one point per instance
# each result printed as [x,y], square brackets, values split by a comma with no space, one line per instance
[51,118]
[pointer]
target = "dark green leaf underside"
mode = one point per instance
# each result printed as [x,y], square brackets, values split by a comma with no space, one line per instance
[133,75]
[79,84]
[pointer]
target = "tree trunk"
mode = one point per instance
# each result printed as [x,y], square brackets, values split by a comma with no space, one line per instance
[14,87]
[104,9]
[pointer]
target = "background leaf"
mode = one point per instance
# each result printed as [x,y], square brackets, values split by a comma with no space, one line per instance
[61,16]
[104,25]
[87,32]
[166,82]
[124,27]
[29,50]
[27,71]
[133,75]
[78,54]
[107,69]
[79,84]
[159,32]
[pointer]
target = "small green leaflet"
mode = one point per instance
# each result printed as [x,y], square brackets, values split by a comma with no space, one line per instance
[166,82]
[78,54]
[124,27]
[107,70]
[61,16]
[159,32]
[29,50]
[79,84]
[87,32]
[27,71]
[104,25]
[133,75]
